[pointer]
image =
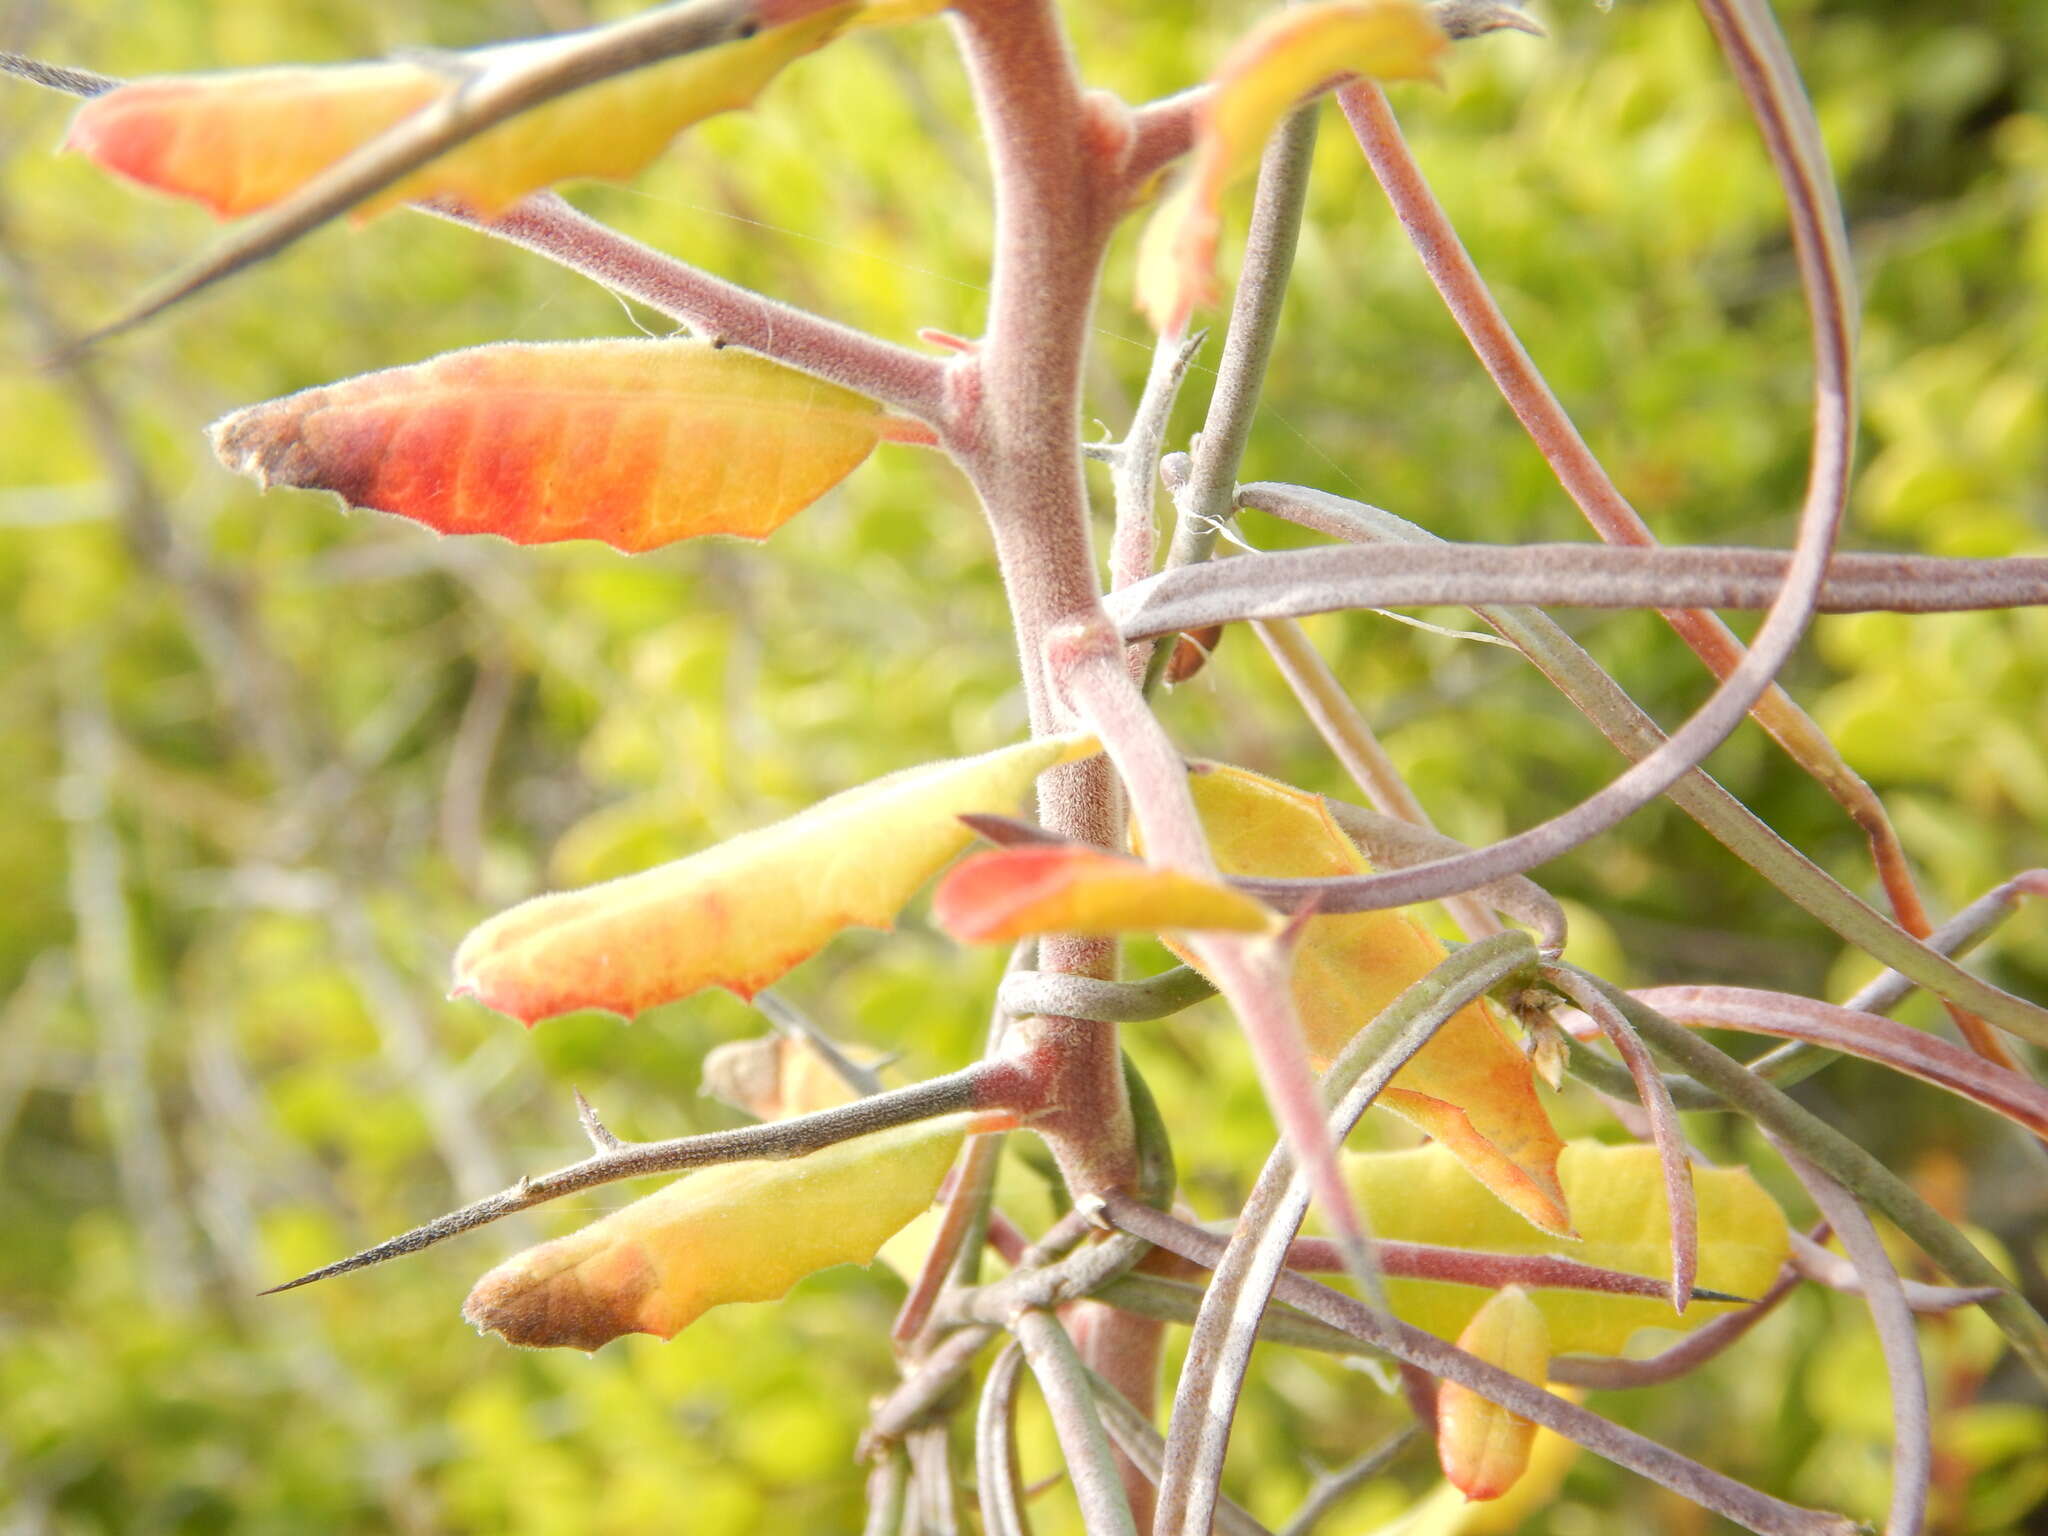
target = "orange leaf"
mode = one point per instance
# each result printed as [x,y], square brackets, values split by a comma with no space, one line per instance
[742,1232]
[239,141]
[1484,1448]
[637,443]
[1470,1087]
[1013,893]
[740,914]
[1261,80]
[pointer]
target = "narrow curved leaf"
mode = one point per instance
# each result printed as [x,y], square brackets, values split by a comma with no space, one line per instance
[741,1232]
[1015,893]
[1618,1205]
[1471,1087]
[636,443]
[740,914]
[1264,77]
[1484,1448]
[241,140]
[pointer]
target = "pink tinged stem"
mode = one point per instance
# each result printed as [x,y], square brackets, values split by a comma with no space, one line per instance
[1837,1273]
[1749,1507]
[1867,1035]
[720,310]
[1664,1127]
[1912,1430]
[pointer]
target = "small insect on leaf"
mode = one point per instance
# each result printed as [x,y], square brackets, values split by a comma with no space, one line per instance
[636,443]
[1471,1087]
[239,141]
[740,914]
[1014,893]
[1617,1198]
[742,1232]
[1262,79]
[1483,1447]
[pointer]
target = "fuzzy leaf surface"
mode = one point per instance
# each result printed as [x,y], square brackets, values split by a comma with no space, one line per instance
[743,1232]
[1618,1204]
[1484,1448]
[1015,893]
[740,914]
[1259,82]
[241,140]
[636,443]
[1471,1087]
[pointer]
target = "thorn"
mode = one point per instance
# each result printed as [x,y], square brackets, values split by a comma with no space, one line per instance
[1094,1210]
[601,1138]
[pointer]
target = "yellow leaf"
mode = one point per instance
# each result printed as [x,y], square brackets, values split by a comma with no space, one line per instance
[1617,1203]
[1013,893]
[742,1232]
[1470,1087]
[1483,1447]
[740,914]
[239,141]
[1261,80]
[774,1077]
[636,443]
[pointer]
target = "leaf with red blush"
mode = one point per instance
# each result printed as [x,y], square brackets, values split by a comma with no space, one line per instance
[241,140]
[1471,1087]
[635,443]
[1015,893]
[740,914]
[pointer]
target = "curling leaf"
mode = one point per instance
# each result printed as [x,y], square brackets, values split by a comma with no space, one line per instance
[241,140]
[1618,1205]
[742,1232]
[1270,70]
[1470,1087]
[637,443]
[1483,1447]
[740,914]
[1013,893]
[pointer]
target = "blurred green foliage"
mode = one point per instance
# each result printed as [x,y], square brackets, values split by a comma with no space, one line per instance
[260,784]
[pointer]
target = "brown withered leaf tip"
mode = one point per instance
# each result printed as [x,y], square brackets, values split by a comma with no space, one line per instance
[268,444]
[583,1304]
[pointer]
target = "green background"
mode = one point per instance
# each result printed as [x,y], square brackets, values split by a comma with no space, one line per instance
[260,779]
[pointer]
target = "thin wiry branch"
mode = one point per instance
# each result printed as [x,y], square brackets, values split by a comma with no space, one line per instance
[1396,842]
[1710,1489]
[470,107]
[1596,695]
[1750,39]
[56,77]
[548,226]
[1912,1431]
[1063,1383]
[1493,1271]
[888,1488]
[1837,1273]
[1134,462]
[1290,583]
[965,1090]
[1672,1154]
[1607,1373]
[1848,1164]
[1351,740]
[1253,974]
[1202,502]
[1219,1350]
[1332,1488]
[1110,1002]
[933,1492]
[1850,1032]
[995,1447]
[1142,1446]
